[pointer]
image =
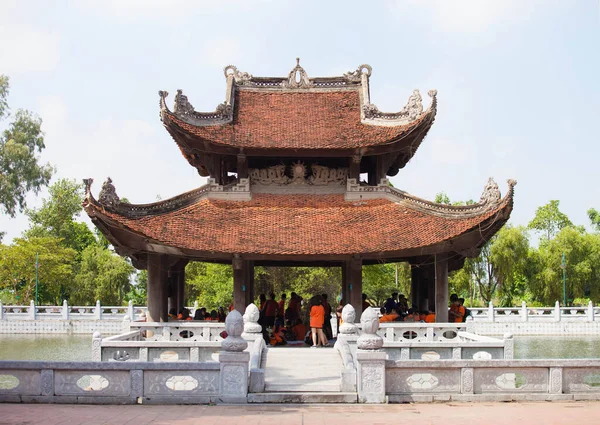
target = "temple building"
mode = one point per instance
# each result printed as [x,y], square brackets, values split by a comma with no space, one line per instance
[297,173]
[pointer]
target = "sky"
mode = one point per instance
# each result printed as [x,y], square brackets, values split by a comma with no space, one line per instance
[518,85]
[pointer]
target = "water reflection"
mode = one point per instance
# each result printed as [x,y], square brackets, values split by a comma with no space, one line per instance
[46,347]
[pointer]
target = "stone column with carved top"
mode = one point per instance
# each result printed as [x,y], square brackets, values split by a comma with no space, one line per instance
[233,376]
[252,330]
[371,360]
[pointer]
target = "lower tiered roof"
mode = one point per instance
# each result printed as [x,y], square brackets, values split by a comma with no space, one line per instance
[388,225]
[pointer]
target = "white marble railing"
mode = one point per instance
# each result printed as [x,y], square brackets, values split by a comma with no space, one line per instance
[106,383]
[524,313]
[70,312]
[420,332]
[492,380]
[160,342]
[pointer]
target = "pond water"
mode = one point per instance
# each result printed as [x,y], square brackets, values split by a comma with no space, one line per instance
[79,347]
[46,347]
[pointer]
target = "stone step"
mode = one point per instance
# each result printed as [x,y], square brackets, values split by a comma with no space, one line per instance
[301,398]
[302,369]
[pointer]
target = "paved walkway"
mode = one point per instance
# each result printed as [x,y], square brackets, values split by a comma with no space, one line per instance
[421,414]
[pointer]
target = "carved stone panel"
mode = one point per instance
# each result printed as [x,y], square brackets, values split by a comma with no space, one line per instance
[510,380]
[556,383]
[234,380]
[106,382]
[403,381]
[467,380]
[23,382]
[206,382]
[47,378]
[575,380]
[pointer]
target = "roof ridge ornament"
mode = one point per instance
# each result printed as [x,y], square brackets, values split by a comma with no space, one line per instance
[297,78]
[242,78]
[184,109]
[356,75]
[491,193]
[412,111]
[108,195]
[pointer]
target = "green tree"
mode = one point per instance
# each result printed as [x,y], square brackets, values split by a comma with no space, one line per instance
[549,220]
[582,255]
[594,218]
[138,294]
[509,256]
[379,281]
[210,284]
[103,275]
[56,217]
[20,168]
[17,269]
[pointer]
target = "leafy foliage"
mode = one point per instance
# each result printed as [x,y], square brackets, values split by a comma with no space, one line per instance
[56,217]
[549,220]
[18,264]
[594,218]
[379,281]
[20,169]
[103,276]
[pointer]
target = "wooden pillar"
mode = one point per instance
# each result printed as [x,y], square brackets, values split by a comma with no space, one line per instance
[354,279]
[354,168]
[240,282]
[173,290]
[429,277]
[242,166]
[345,295]
[249,293]
[157,288]
[416,283]
[380,168]
[441,288]
[180,289]
[217,172]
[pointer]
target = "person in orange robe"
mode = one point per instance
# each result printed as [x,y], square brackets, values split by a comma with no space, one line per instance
[299,330]
[281,305]
[389,316]
[317,318]
[457,311]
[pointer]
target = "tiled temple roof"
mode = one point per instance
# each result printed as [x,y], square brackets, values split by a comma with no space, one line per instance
[281,113]
[302,224]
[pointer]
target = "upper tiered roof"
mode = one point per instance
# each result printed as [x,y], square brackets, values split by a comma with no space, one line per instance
[300,116]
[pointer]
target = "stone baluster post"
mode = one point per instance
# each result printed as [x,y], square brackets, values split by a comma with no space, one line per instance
[557,311]
[348,330]
[97,347]
[32,310]
[590,312]
[130,312]
[98,311]
[524,313]
[2,311]
[470,325]
[252,330]
[65,310]
[491,312]
[233,376]
[509,346]
[371,360]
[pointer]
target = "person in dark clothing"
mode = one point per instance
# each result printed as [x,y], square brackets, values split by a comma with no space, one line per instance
[327,322]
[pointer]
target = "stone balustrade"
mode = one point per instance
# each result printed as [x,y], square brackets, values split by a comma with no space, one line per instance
[109,383]
[186,341]
[524,313]
[492,380]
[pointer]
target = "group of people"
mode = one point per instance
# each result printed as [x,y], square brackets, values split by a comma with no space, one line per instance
[396,309]
[283,323]
[200,314]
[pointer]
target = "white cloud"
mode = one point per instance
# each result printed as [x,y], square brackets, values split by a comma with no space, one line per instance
[27,50]
[448,152]
[221,51]
[465,16]
[160,10]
